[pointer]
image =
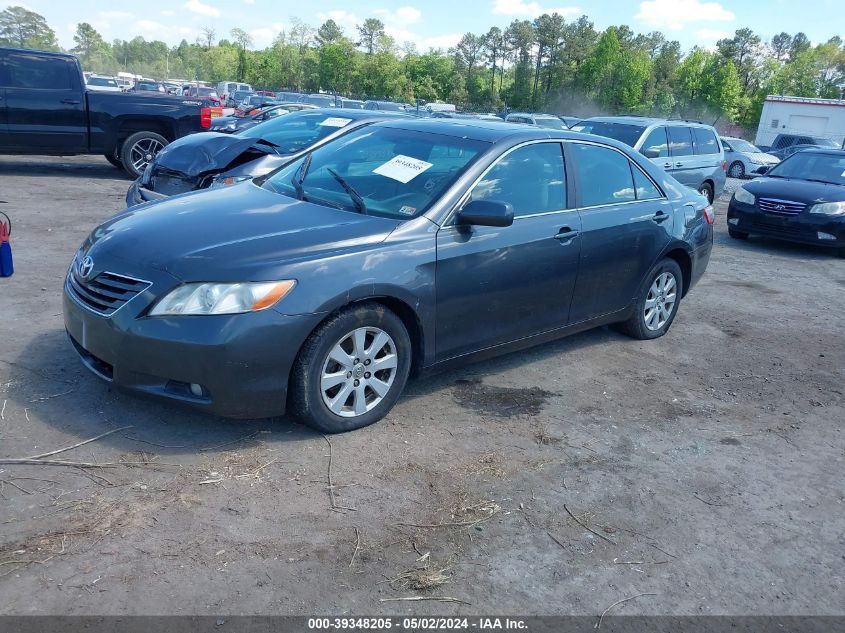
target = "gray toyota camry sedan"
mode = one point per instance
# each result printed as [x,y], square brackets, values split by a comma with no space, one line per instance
[402,247]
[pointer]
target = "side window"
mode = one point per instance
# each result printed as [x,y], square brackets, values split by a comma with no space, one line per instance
[656,142]
[680,141]
[705,141]
[34,71]
[644,187]
[531,178]
[604,175]
[727,146]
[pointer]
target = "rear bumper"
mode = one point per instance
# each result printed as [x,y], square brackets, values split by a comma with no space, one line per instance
[804,228]
[242,361]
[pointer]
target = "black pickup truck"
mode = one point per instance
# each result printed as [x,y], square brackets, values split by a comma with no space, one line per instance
[46,109]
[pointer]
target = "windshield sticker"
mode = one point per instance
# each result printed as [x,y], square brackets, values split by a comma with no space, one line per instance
[335,121]
[402,168]
[406,210]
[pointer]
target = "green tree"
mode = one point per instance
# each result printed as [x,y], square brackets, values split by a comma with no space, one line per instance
[370,32]
[23,28]
[329,33]
[780,45]
[89,43]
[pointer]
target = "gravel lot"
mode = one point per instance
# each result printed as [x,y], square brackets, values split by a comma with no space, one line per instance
[704,467]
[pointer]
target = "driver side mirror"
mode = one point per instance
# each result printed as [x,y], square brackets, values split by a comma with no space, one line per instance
[486,213]
[651,153]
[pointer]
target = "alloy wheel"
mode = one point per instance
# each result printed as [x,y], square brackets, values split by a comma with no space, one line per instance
[143,152]
[358,372]
[660,301]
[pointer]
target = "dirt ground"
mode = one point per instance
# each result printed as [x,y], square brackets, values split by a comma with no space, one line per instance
[705,467]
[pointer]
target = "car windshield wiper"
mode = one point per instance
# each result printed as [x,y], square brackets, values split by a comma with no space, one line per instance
[356,197]
[303,172]
[826,182]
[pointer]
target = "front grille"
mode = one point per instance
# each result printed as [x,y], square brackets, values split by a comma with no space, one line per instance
[169,183]
[106,293]
[781,207]
[787,230]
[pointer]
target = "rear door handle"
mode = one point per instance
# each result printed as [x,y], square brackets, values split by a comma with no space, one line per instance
[566,234]
[660,217]
[679,164]
[71,101]
[667,165]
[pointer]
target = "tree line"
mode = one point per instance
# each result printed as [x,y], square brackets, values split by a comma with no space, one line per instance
[545,64]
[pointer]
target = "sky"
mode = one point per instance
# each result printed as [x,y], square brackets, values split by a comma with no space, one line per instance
[438,23]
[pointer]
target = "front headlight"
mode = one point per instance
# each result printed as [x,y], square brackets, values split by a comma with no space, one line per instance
[829,208]
[228,180]
[743,196]
[210,298]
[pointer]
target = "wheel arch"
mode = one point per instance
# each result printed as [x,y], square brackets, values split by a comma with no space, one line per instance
[682,257]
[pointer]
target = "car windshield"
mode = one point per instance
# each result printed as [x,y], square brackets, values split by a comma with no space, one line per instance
[624,132]
[812,166]
[394,173]
[825,142]
[207,92]
[147,85]
[239,96]
[739,145]
[298,130]
[550,122]
[390,106]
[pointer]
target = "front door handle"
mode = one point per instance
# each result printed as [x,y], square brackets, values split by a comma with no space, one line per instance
[660,217]
[566,234]
[71,101]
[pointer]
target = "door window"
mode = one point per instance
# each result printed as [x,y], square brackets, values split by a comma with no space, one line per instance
[680,141]
[34,71]
[705,141]
[645,189]
[531,178]
[656,142]
[604,175]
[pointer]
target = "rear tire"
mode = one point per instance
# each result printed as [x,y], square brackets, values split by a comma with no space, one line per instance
[736,170]
[332,393]
[657,302]
[113,159]
[139,149]
[706,190]
[737,235]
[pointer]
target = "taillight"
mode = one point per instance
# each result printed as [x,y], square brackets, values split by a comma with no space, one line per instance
[205,117]
[709,214]
[725,166]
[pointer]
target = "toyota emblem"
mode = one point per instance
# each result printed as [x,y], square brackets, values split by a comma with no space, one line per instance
[86,265]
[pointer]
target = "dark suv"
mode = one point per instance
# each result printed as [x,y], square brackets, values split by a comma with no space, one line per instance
[787,144]
[688,150]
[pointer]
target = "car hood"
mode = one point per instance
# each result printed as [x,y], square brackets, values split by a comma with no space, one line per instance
[797,190]
[203,152]
[236,233]
[762,158]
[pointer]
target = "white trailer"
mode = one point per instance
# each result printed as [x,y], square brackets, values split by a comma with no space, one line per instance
[823,118]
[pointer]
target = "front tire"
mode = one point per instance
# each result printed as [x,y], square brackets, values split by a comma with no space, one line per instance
[737,170]
[351,370]
[139,150]
[657,303]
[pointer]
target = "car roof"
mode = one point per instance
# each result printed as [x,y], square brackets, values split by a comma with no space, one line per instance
[645,121]
[493,131]
[815,149]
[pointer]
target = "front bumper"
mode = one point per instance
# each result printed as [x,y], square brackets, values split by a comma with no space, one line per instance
[138,194]
[242,361]
[803,228]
